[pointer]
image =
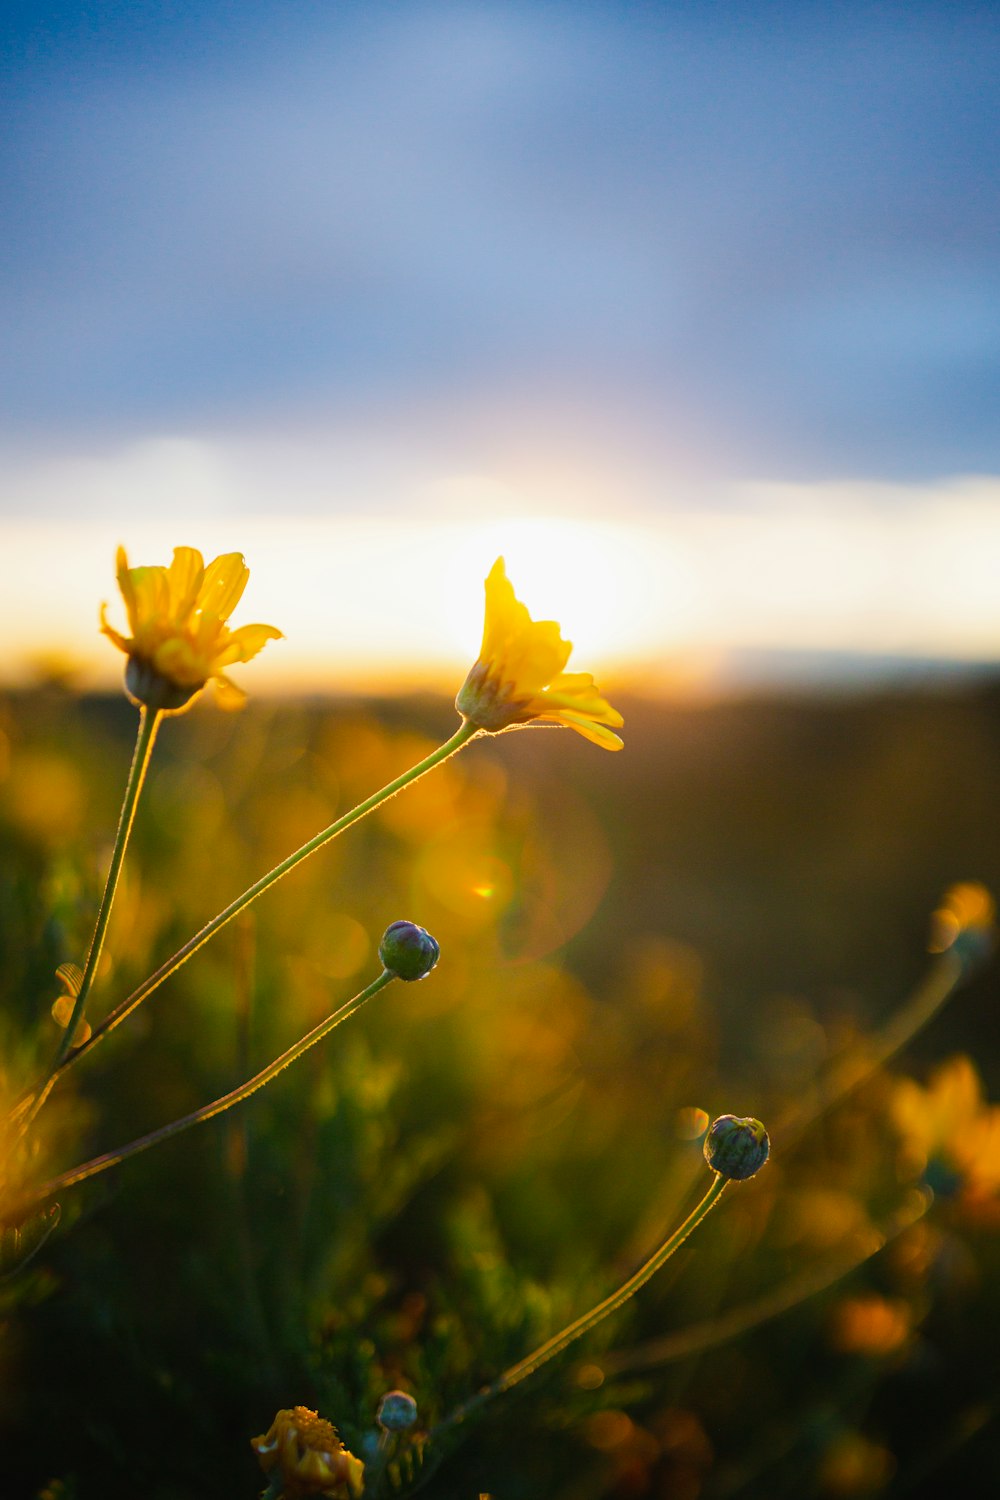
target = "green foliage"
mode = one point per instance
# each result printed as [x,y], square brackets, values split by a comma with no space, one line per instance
[476,1159]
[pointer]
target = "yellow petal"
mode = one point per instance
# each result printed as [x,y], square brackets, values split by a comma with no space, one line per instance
[536,656]
[120,641]
[185,575]
[505,616]
[590,730]
[578,692]
[224,582]
[181,663]
[243,643]
[152,597]
[124,575]
[227,694]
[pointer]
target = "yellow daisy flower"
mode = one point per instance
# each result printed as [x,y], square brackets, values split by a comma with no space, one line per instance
[180,639]
[950,1125]
[519,675]
[303,1452]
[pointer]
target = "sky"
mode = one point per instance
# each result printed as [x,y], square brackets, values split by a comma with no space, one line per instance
[697,302]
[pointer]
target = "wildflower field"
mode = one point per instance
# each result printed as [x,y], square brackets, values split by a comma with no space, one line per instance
[733,916]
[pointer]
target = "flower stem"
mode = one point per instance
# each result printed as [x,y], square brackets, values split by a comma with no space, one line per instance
[149,723]
[790,1293]
[208,1111]
[944,977]
[584,1324]
[124,1010]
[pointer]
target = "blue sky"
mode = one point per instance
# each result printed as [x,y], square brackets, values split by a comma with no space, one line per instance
[726,274]
[753,239]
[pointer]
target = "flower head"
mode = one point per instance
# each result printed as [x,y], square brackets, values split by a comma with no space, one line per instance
[304,1452]
[949,1131]
[180,639]
[408,951]
[735,1148]
[397,1411]
[519,675]
[965,923]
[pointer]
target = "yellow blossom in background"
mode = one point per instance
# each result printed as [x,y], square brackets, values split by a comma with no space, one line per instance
[950,1122]
[870,1325]
[966,918]
[304,1452]
[520,675]
[180,639]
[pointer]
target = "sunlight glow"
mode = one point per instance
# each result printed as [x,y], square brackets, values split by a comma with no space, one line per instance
[389,602]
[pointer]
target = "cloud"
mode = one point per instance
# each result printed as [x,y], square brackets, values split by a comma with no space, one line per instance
[769,226]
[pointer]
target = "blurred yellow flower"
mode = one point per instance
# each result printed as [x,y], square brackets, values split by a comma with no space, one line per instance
[519,675]
[965,920]
[180,638]
[304,1452]
[949,1124]
[869,1324]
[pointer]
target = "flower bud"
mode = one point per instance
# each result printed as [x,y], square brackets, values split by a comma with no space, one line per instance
[735,1148]
[408,951]
[396,1411]
[144,684]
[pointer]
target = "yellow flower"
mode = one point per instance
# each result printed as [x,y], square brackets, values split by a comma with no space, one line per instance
[180,639]
[965,922]
[304,1452]
[949,1129]
[519,675]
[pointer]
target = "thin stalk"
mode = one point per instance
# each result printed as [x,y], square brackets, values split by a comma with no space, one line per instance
[207,1111]
[941,981]
[121,1012]
[149,723]
[726,1326]
[559,1341]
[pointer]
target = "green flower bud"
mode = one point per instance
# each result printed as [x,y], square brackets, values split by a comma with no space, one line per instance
[736,1148]
[144,684]
[396,1411]
[408,951]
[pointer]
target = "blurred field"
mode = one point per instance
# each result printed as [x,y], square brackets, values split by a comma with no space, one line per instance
[700,923]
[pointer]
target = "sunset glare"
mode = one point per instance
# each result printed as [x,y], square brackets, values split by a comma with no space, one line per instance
[679,601]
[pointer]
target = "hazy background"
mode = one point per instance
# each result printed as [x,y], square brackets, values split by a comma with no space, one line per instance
[709,289]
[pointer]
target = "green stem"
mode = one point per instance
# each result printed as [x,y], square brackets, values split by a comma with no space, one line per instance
[584,1324]
[124,1010]
[944,977]
[208,1111]
[149,723]
[726,1326]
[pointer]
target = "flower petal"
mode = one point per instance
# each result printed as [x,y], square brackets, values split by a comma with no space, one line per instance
[589,728]
[227,694]
[185,575]
[243,643]
[223,585]
[578,692]
[120,641]
[151,592]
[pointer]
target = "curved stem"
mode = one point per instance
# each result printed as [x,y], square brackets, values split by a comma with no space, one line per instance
[559,1341]
[725,1326]
[149,723]
[938,985]
[207,1111]
[124,1010]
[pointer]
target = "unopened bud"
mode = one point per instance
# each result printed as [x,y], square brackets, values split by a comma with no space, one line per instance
[408,951]
[396,1411]
[736,1148]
